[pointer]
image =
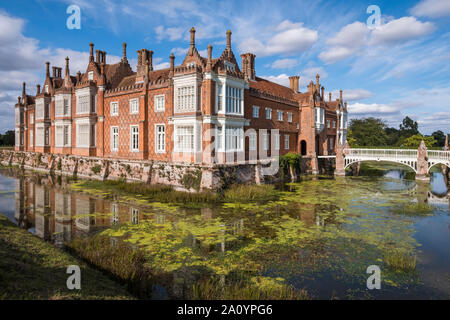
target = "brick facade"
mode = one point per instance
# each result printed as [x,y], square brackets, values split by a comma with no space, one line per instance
[178,114]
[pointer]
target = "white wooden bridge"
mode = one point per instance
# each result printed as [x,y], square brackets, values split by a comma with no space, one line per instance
[409,158]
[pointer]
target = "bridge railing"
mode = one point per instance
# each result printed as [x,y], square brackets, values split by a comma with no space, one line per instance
[381,153]
[439,155]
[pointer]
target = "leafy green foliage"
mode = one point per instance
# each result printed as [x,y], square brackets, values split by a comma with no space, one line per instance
[7,139]
[415,140]
[367,132]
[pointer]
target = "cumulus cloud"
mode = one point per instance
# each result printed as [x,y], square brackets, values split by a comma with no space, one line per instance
[170,34]
[356,38]
[432,8]
[372,109]
[400,30]
[290,38]
[352,94]
[284,63]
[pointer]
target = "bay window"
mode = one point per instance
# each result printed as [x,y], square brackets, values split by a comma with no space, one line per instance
[234,100]
[185,99]
[233,138]
[184,138]
[83,135]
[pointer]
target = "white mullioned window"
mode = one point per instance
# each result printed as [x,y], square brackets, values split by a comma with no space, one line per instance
[268,113]
[160,134]
[234,138]
[334,124]
[289,116]
[219,138]
[134,106]
[46,88]
[185,96]
[234,100]
[83,104]
[31,118]
[160,103]
[280,115]
[277,141]
[114,106]
[134,138]
[114,138]
[66,133]
[255,112]
[265,141]
[134,216]
[184,138]
[83,135]
[286,141]
[47,136]
[40,106]
[91,75]
[31,137]
[252,141]
[40,136]
[59,135]
[219,98]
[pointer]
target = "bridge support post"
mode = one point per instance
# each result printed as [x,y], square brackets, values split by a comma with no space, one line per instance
[422,163]
[314,164]
[340,162]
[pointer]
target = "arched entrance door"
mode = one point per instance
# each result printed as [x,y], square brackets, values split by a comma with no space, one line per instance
[303,147]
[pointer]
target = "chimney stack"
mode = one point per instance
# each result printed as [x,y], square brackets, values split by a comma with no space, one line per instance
[38,89]
[124,52]
[317,82]
[24,89]
[144,56]
[248,65]
[340,95]
[323,93]
[172,62]
[209,65]
[47,69]
[192,37]
[18,99]
[67,67]
[293,83]
[91,51]
[329,96]
[228,40]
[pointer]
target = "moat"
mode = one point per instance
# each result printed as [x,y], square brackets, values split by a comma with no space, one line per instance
[317,235]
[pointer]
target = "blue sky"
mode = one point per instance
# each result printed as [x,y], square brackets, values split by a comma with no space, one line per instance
[400,68]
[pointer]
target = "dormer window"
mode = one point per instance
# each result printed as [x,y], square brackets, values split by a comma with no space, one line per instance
[230,66]
[91,75]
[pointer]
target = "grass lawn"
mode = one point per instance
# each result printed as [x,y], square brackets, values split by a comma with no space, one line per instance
[33,269]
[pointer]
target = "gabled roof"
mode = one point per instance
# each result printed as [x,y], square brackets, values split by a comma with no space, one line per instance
[273,88]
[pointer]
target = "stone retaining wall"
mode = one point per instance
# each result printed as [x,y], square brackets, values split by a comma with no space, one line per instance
[190,177]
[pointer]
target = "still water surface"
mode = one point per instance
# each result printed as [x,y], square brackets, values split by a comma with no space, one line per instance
[319,235]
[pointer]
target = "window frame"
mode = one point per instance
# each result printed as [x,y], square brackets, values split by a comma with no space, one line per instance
[268,113]
[114,114]
[132,135]
[112,135]
[255,114]
[155,101]
[157,142]
[132,105]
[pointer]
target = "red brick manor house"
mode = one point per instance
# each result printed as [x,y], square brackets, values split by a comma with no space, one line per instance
[174,114]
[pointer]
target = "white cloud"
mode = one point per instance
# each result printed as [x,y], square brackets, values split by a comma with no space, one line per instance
[432,8]
[284,63]
[357,39]
[400,30]
[282,79]
[352,94]
[291,38]
[371,109]
[179,51]
[170,34]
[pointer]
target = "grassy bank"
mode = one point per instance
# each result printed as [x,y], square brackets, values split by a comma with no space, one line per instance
[33,269]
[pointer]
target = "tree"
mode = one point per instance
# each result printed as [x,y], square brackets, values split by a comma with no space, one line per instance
[368,132]
[415,140]
[7,139]
[408,127]
[393,136]
[439,136]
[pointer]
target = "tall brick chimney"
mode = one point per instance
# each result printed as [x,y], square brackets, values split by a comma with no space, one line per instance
[293,83]
[192,37]
[340,96]
[67,67]
[47,69]
[24,89]
[144,56]
[209,64]
[329,96]
[38,89]
[91,51]
[323,93]
[124,52]
[228,40]
[172,64]
[248,65]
